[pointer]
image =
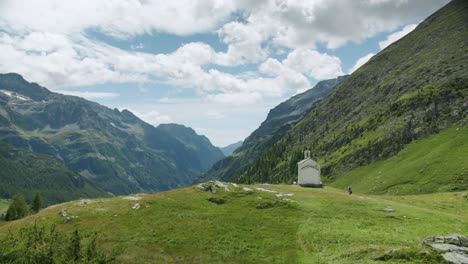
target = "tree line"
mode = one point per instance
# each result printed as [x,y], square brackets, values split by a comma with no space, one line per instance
[19,208]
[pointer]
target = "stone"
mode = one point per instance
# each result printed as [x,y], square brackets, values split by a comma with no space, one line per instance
[246,189]
[449,248]
[265,190]
[284,194]
[220,184]
[454,239]
[455,258]
[136,206]
[457,239]
[63,213]
[235,185]
[68,219]
[213,189]
[388,210]
[453,248]
[423,253]
[203,187]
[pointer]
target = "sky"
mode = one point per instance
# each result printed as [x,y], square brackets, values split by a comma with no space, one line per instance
[217,66]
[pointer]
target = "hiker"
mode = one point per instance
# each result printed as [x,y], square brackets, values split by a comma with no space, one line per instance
[350,191]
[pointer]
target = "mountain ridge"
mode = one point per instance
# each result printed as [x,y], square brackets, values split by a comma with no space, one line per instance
[114,149]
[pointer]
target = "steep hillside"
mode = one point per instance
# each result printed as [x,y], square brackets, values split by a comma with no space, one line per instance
[327,225]
[27,173]
[201,145]
[416,87]
[229,149]
[114,149]
[434,164]
[279,120]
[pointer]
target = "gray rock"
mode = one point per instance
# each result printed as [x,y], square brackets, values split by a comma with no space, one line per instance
[455,258]
[457,239]
[203,187]
[63,213]
[388,210]
[136,206]
[213,189]
[454,239]
[220,184]
[423,253]
[449,248]
[68,219]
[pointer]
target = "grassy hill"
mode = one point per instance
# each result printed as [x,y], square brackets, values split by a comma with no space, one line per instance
[434,164]
[413,89]
[310,226]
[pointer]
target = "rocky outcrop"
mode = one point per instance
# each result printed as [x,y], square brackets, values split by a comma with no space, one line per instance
[453,248]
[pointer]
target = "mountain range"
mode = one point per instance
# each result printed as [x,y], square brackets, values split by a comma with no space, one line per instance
[114,150]
[229,149]
[409,97]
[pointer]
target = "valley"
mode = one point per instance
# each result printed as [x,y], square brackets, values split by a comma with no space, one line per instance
[117,178]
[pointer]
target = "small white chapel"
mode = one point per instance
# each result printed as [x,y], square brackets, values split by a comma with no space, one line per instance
[309,172]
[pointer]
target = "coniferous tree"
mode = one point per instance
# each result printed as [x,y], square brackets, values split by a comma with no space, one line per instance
[17,209]
[75,245]
[37,203]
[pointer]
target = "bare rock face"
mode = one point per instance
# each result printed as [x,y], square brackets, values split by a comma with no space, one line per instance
[454,248]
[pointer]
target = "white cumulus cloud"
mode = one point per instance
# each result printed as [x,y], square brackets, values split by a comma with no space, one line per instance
[396,36]
[361,61]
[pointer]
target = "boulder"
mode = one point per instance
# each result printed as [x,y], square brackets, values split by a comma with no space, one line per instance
[203,187]
[449,248]
[136,206]
[388,210]
[455,258]
[454,239]
[454,247]
[63,213]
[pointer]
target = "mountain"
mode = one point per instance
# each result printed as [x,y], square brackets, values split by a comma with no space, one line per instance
[229,149]
[413,89]
[279,120]
[206,152]
[27,172]
[113,149]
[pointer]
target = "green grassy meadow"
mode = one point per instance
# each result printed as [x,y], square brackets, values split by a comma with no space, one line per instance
[436,164]
[312,226]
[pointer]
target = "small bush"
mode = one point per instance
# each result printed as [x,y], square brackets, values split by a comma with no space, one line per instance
[217,200]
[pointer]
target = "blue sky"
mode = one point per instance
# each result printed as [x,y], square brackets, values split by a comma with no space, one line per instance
[216,66]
